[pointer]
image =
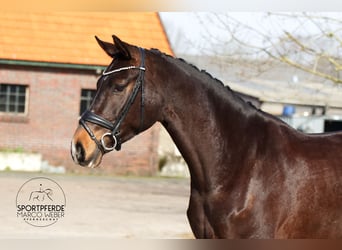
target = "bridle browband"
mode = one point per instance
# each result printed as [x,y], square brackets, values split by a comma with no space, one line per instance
[91,117]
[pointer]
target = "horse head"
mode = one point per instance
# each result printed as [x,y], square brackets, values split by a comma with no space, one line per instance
[48,191]
[125,104]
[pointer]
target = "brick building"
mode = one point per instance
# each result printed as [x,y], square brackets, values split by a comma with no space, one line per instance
[49,65]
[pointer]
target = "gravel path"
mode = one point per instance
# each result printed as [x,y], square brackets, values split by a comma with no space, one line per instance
[104,207]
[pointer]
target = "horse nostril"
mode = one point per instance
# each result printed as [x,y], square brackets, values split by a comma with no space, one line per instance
[80,153]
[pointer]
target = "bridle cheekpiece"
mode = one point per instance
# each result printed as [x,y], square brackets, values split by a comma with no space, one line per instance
[114,133]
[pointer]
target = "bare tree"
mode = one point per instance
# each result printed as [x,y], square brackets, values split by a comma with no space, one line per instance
[311,42]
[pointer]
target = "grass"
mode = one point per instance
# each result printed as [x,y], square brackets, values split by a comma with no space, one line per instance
[13,150]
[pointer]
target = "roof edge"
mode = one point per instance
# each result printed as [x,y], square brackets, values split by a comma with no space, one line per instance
[165,34]
[51,64]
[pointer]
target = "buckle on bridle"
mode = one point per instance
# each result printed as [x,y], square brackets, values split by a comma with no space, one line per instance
[103,143]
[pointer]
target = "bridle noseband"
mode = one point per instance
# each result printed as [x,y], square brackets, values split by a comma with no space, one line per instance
[91,117]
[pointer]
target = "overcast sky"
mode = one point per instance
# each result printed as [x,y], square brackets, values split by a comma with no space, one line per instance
[188,31]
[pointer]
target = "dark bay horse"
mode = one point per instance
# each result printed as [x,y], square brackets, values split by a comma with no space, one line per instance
[252,176]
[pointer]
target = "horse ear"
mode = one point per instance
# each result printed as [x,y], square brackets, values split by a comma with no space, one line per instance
[122,47]
[109,48]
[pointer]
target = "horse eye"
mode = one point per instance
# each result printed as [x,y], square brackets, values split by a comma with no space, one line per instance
[118,88]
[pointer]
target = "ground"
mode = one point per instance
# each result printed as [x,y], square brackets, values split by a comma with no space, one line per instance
[103,207]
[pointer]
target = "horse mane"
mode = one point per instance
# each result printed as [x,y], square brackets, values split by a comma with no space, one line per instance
[209,79]
[207,75]
[181,60]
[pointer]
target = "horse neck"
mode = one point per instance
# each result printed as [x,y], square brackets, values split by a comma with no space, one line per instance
[205,120]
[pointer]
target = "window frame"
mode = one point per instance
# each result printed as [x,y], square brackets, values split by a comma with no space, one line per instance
[87,98]
[17,102]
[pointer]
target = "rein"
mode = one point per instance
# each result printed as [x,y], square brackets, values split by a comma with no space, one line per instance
[91,117]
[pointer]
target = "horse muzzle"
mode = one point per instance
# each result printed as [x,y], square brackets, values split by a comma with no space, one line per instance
[84,152]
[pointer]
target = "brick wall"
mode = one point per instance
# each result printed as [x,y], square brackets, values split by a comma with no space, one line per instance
[52,117]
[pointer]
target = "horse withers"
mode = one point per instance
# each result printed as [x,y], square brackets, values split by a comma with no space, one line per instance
[252,176]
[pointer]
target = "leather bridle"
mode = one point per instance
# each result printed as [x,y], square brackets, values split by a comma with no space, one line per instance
[114,133]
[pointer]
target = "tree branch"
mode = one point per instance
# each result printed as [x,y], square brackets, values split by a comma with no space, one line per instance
[317,53]
[309,70]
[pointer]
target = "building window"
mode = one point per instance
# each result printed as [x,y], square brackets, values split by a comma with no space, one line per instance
[87,96]
[13,98]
